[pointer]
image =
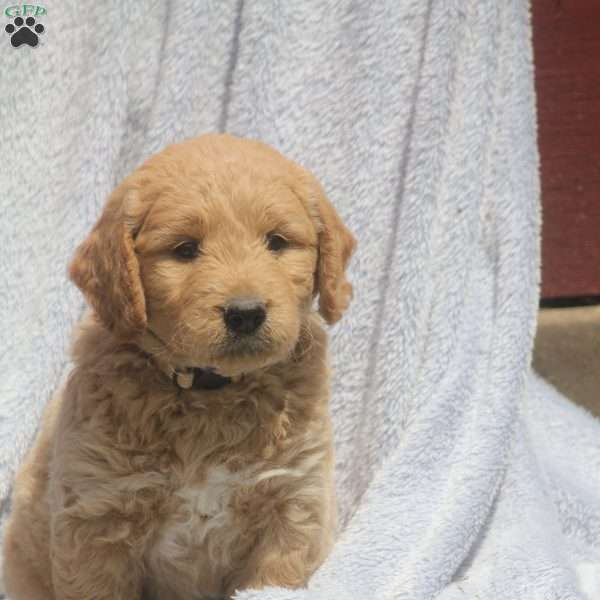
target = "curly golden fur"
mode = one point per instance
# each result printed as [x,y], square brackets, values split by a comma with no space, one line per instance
[137,488]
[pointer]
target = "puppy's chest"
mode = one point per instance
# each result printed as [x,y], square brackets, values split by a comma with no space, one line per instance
[212,524]
[197,509]
[219,481]
[227,467]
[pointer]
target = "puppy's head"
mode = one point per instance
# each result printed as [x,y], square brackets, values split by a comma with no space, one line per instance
[218,246]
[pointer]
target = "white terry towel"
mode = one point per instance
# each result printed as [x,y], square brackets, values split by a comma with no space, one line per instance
[460,475]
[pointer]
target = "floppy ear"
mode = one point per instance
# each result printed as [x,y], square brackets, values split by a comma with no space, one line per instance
[105,268]
[336,245]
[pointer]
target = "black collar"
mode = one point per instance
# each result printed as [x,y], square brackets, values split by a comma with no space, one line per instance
[199,379]
[186,378]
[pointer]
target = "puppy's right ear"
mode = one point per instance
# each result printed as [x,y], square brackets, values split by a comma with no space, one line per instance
[105,268]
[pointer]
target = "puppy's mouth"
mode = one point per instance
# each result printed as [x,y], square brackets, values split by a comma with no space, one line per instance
[235,355]
[236,347]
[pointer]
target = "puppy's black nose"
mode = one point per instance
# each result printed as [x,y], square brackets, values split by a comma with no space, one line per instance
[245,315]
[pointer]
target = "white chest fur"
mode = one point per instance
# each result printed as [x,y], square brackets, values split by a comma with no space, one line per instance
[204,512]
[209,501]
[200,510]
[203,537]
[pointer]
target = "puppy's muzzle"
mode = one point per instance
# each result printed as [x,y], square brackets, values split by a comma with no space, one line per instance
[244,316]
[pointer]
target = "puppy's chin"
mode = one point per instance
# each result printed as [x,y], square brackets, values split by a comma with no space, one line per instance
[247,355]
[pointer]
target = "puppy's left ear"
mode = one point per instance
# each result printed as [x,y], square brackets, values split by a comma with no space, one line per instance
[105,268]
[336,246]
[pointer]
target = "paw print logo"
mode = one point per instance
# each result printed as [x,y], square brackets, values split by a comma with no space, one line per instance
[24,32]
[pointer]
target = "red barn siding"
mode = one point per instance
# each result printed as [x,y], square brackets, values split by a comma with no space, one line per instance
[566,35]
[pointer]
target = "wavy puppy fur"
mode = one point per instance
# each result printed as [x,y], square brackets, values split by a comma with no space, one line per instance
[136,488]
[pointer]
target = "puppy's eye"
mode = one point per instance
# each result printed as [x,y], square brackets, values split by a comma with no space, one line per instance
[276,242]
[187,250]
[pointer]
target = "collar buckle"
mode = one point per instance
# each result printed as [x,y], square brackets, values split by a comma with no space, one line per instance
[184,378]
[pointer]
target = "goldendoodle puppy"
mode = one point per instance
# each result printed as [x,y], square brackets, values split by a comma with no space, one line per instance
[190,453]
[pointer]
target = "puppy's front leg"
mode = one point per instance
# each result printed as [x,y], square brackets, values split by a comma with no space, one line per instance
[86,564]
[294,542]
[284,570]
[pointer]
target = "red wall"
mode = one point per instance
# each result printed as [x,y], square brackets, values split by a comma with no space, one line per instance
[566,35]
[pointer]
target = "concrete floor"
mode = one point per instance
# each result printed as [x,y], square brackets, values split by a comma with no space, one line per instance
[567,353]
